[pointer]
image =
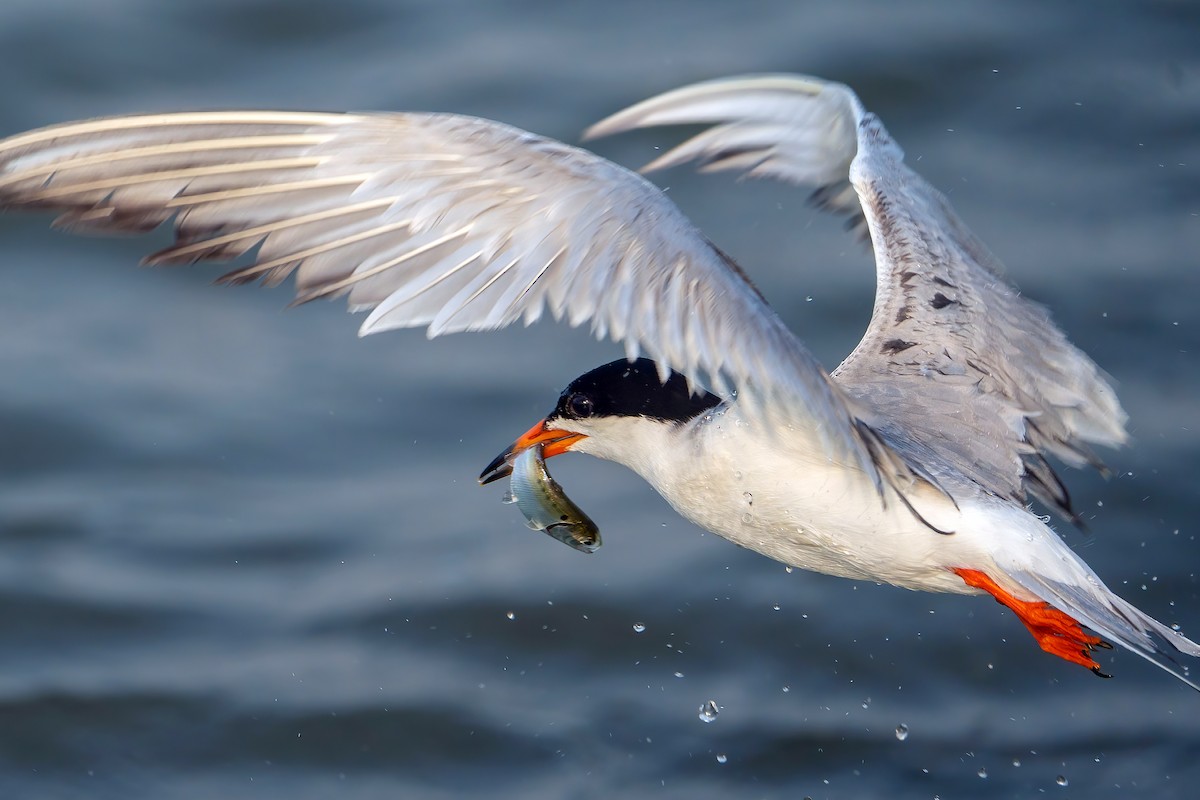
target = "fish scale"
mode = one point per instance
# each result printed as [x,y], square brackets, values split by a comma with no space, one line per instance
[546,506]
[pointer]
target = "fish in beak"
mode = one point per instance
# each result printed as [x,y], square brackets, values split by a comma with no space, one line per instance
[553,441]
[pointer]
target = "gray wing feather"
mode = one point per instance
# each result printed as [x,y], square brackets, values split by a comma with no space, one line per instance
[956,370]
[447,222]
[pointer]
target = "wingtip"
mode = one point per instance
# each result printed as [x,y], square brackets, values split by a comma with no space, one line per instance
[598,130]
[656,110]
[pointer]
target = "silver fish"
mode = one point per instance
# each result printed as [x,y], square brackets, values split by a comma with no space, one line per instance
[546,506]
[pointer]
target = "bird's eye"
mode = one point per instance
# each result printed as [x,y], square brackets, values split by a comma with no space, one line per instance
[580,405]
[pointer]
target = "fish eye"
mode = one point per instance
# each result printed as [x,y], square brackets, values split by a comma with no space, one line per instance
[579,405]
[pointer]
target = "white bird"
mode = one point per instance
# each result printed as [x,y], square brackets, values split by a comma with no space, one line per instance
[909,464]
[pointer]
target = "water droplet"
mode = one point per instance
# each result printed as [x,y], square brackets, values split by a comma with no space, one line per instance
[902,731]
[776,606]
[722,758]
[709,711]
[678,674]
[788,570]
[1061,780]
[787,689]
[1016,762]
[511,615]
[639,627]
[982,772]
[747,518]
[508,498]
[749,498]
[808,298]
[737,475]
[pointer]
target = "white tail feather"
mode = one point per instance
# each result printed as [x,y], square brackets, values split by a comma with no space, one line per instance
[1119,622]
[1043,566]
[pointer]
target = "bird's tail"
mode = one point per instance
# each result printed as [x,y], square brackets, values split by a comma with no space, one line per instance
[1069,597]
[1117,621]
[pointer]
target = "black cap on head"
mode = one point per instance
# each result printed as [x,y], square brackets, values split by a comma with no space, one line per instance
[632,389]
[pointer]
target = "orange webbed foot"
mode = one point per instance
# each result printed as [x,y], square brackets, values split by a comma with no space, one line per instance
[1055,632]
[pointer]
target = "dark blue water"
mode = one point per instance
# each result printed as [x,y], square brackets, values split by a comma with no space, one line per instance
[243,555]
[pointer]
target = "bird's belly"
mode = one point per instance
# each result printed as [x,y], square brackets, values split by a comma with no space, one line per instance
[820,517]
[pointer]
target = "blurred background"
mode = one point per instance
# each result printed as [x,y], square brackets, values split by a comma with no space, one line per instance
[243,554]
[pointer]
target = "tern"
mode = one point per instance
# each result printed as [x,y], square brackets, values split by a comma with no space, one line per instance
[912,463]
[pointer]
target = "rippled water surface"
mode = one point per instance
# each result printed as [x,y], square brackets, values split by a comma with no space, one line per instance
[242,553]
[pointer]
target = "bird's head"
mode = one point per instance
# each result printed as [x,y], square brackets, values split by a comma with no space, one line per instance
[609,413]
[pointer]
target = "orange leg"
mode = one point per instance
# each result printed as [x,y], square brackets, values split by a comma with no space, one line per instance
[1056,632]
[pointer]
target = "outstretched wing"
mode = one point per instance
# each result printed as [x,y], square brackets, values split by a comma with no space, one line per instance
[448,222]
[957,369]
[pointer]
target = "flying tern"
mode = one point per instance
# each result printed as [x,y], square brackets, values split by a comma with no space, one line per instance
[911,463]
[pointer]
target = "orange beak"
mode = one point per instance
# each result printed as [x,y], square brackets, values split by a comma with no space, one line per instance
[553,443]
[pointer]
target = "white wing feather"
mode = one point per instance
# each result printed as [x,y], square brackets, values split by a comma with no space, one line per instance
[447,222]
[956,370]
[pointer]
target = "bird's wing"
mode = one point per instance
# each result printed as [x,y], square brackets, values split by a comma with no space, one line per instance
[448,222]
[955,364]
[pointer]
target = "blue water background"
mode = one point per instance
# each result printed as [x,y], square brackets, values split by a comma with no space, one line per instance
[243,555]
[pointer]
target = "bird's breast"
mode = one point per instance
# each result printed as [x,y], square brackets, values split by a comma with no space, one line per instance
[798,507]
